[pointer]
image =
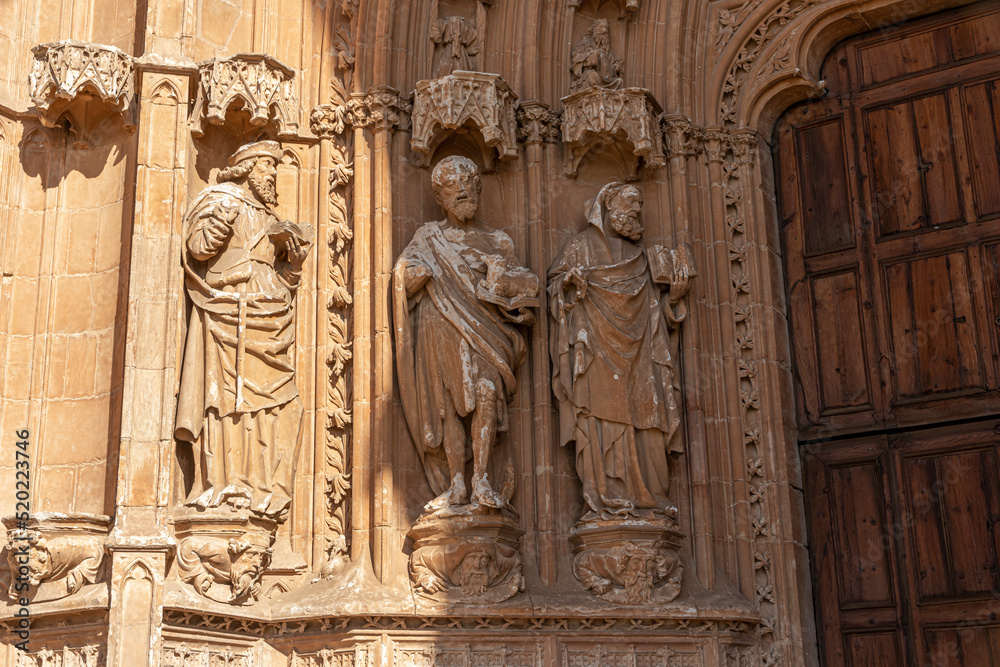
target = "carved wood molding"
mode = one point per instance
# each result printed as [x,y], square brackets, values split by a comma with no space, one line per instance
[483,101]
[64,72]
[261,83]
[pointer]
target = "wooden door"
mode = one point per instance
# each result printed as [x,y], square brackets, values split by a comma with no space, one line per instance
[889,197]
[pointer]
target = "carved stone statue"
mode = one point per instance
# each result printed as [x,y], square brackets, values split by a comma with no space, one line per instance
[458,296]
[238,404]
[613,305]
[459,44]
[458,292]
[593,63]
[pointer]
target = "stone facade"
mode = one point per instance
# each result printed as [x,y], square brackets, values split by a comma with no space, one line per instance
[123,127]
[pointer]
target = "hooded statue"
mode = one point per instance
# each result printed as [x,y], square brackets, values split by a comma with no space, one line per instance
[613,374]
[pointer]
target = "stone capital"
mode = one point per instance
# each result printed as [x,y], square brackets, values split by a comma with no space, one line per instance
[536,123]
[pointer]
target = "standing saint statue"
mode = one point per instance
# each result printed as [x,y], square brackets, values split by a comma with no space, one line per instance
[458,293]
[459,44]
[238,404]
[593,63]
[613,374]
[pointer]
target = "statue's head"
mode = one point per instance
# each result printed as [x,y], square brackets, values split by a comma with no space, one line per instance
[456,185]
[601,32]
[624,206]
[255,164]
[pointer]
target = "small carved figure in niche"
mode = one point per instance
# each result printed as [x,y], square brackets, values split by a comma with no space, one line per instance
[238,404]
[613,305]
[459,44]
[594,64]
[458,292]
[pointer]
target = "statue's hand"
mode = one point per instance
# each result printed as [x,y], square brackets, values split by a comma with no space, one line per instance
[416,276]
[575,285]
[296,252]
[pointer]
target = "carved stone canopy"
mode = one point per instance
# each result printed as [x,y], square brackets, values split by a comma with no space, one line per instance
[598,116]
[63,72]
[264,85]
[465,99]
[627,8]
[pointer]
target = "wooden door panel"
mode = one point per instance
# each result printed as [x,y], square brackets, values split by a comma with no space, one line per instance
[914,173]
[982,118]
[932,316]
[911,53]
[841,363]
[966,646]
[826,200]
[856,498]
[875,649]
[950,501]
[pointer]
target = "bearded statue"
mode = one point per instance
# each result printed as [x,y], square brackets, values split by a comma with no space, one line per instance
[238,405]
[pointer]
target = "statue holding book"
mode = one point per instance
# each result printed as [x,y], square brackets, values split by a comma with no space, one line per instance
[238,405]
[614,305]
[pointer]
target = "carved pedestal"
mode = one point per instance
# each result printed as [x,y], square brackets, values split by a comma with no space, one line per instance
[629,560]
[51,556]
[224,554]
[466,554]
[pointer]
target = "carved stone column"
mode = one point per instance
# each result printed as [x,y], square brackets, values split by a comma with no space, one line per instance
[139,542]
[538,126]
[384,108]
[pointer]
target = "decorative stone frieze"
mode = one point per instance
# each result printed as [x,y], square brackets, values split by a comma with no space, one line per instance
[263,85]
[83,656]
[465,99]
[357,656]
[62,553]
[182,655]
[68,72]
[596,116]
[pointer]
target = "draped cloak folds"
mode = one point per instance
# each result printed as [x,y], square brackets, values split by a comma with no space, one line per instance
[613,374]
[449,343]
[238,404]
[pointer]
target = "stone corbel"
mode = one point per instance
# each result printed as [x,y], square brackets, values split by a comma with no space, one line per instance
[597,116]
[681,137]
[537,124]
[68,76]
[626,8]
[386,109]
[263,85]
[462,100]
[53,555]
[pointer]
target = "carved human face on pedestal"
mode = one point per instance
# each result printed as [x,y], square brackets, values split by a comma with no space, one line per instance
[623,213]
[263,181]
[457,187]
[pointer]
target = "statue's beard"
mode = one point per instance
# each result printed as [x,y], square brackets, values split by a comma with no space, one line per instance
[243,577]
[463,210]
[627,226]
[475,581]
[638,584]
[263,188]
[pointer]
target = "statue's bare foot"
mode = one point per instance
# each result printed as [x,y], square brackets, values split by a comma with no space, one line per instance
[483,493]
[453,495]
